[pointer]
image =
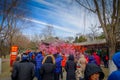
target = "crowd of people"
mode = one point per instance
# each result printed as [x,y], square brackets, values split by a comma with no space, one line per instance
[51,67]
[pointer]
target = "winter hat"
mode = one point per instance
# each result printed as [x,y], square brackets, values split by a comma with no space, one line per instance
[24,56]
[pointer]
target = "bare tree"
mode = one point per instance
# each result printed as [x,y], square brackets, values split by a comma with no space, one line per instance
[48,31]
[21,40]
[5,27]
[94,31]
[10,16]
[108,12]
[36,39]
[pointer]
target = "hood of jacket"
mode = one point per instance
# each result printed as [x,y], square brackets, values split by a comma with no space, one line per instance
[39,55]
[48,64]
[48,59]
[116,59]
[91,69]
[71,57]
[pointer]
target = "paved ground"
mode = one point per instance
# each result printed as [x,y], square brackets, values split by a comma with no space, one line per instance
[8,78]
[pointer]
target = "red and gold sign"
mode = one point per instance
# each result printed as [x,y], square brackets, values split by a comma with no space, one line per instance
[13,54]
[14,48]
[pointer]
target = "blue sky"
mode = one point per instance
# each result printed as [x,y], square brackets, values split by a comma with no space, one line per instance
[67,17]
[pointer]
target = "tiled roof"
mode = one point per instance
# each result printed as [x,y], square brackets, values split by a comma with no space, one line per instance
[92,42]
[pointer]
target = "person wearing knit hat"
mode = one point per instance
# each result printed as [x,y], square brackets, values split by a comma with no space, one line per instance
[24,57]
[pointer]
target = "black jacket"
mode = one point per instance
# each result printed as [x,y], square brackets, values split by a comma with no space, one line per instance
[47,69]
[23,70]
[70,68]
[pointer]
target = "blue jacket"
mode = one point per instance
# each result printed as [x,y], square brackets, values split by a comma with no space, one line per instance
[58,64]
[92,60]
[116,74]
[38,60]
[30,55]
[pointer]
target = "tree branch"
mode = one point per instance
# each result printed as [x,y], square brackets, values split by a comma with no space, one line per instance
[114,11]
[7,11]
[94,11]
[88,3]
[100,19]
[114,16]
[98,13]
[104,17]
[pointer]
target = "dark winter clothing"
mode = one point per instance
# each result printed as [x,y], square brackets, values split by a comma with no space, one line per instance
[105,60]
[38,65]
[92,68]
[70,68]
[116,74]
[23,70]
[47,69]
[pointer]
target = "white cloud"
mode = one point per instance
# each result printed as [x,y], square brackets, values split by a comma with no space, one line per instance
[55,26]
[68,18]
[67,15]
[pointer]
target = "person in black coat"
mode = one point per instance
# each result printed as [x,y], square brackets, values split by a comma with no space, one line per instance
[93,72]
[48,68]
[70,68]
[23,70]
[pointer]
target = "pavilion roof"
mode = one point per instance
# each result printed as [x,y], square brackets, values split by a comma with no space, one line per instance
[91,42]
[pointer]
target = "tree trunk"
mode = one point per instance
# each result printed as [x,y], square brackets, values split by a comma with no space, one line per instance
[112,51]
[112,47]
